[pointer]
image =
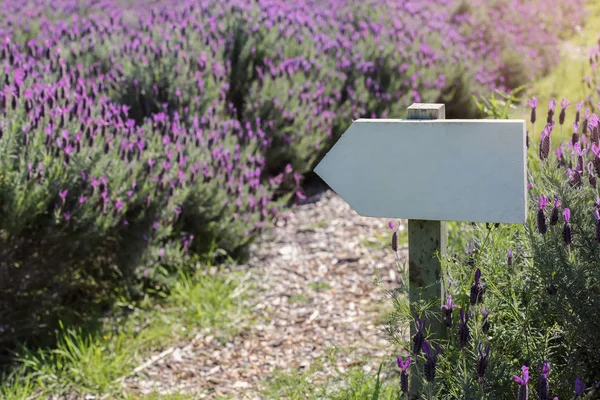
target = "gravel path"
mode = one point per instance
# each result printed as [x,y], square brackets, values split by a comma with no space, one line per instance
[313,287]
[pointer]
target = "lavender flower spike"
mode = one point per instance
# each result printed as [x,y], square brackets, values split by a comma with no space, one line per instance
[579,387]
[522,381]
[533,104]
[545,142]
[476,295]
[541,217]
[575,137]
[525,378]
[597,216]
[543,385]
[404,365]
[554,214]
[564,104]
[394,236]
[430,363]
[419,337]
[482,362]
[551,107]
[464,334]
[486,322]
[577,114]
[509,256]
[448,307]
[567,230]
[591,177]
[63,195]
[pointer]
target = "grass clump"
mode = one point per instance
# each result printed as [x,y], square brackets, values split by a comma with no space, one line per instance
[353,383]
[93,361]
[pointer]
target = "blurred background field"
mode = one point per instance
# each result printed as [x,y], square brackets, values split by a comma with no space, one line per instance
[144,144]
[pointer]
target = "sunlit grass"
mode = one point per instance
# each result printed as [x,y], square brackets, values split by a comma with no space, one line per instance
[93,362]
[353,383]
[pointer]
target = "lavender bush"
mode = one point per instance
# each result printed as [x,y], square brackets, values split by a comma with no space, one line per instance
[525,295]
[134,134]
[339,60]
[88,196]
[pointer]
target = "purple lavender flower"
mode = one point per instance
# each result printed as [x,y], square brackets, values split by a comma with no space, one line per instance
[577,114]
[541,217]
[485,327]
[464,334]
[551,107]
[591,177]
[63,195]
[580,155]
[430,362]
[543,385]
[404,365]
[522,381]
[593,123]
[560,152]
[419,337]
[597,216]
[394,236]
[509,257]
[594,119]
[575,137]
[533,104]
[482,362]
[564,104]
[545,142]
[477,289]
[472,250]
[574,177]
[579,387]
[554,213]
[567,230]
[447,308]
[596,160]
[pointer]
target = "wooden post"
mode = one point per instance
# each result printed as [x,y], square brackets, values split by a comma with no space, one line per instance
[427,240]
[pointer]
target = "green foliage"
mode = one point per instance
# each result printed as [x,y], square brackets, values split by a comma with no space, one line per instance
[377,390]
[319,286]
[499,108]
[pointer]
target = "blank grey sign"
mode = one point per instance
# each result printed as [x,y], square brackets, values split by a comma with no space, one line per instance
[443,170]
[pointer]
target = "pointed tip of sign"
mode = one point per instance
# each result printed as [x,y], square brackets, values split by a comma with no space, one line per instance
[319,169]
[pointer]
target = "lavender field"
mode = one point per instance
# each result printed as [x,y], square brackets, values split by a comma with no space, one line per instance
[142,143]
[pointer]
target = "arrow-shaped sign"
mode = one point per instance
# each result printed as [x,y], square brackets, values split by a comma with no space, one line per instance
[444,170]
